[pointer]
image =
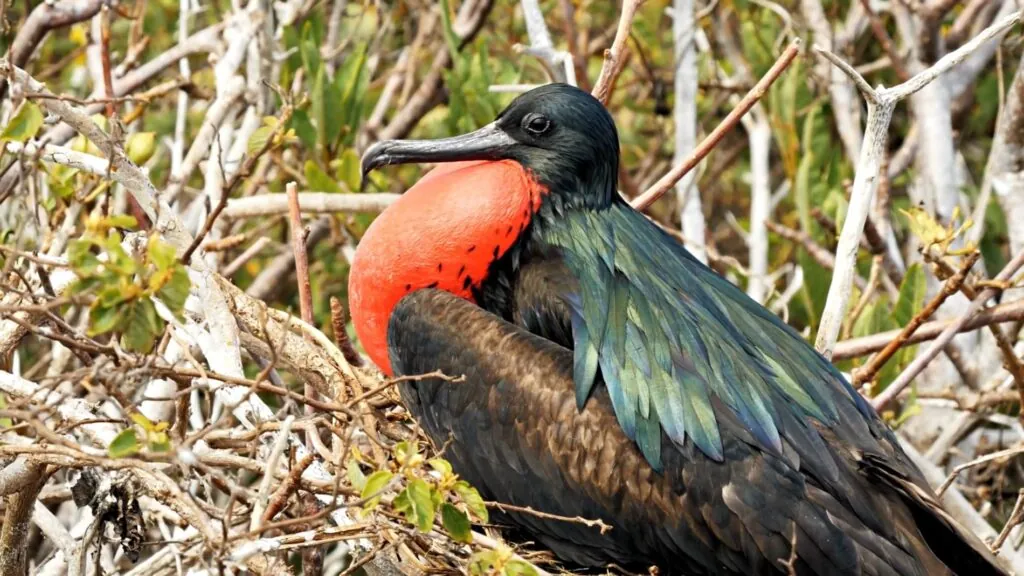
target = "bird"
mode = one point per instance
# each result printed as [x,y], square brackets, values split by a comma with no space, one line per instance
[608,374]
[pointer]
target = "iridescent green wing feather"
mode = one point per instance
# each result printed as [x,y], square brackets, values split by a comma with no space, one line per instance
[667,335]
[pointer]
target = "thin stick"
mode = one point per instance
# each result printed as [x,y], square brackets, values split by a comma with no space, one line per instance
[280,442]
[301,267]
[338,322]
[1015,518]
[1007,453]
[613,57]
[951,286]
[663,185]
[599,524]
[854,347]
[910,372]
[299,249]
[881,104]
[312,203]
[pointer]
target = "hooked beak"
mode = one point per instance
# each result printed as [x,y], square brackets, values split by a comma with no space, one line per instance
[487,143]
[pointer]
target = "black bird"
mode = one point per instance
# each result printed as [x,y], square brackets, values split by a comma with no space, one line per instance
[611,375]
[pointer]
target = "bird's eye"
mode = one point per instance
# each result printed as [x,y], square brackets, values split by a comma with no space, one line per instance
[536,124]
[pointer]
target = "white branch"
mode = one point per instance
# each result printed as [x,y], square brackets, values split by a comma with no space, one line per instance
[685,117]
[561,62]
[880,109]
[309,202]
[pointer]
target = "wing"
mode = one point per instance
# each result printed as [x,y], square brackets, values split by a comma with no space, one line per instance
[513,430]
[670,336]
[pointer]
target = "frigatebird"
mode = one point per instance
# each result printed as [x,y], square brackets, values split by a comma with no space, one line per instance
[611,375]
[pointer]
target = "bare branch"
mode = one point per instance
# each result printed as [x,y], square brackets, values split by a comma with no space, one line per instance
[666,182]
[613,57]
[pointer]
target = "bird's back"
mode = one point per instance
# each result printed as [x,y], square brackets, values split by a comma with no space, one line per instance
[712,437]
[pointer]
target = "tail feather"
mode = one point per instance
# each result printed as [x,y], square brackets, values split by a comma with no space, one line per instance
[957,548]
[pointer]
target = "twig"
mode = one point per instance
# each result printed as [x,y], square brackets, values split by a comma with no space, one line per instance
[878,29]
[666,182]
[250,253]
[814,250]
[915,367]
[108,82]
[1015,519]
[881,104]
[471,17]
[45,17]
[599,524]
[286,489]
[854,347]
[613,57]
[263,498]
[14,534]
[957,505]
[1010,360]
[684,115]
[301,268]
[311,203]
[338,322]
[492,544]
[1007,453]
[951,286]
[299,250]
[559,62]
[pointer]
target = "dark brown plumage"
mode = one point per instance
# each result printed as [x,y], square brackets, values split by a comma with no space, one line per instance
[610,375]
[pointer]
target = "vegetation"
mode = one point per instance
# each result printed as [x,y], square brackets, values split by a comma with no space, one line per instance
[151,346]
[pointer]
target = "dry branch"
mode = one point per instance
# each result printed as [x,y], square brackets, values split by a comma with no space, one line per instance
[854,347]
[666,182]
[614,57]
[881,104]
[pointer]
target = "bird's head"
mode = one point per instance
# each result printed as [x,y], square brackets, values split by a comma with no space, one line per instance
[553,147]
[560,134]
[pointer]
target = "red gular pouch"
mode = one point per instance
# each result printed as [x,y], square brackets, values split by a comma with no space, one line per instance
[443,233]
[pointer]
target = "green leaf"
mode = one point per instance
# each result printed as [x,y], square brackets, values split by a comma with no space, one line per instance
[25,124]
[124,444]
[140,419]
[802,187]
[374,484]
[319,180]
[482,562]
[441,465]
[309,47]
[175,292]
[347,169]
[141,146]
[456,523]
[60,178]
[81,258]
[422,504]
[161,253]
[471,498]
[350,85]
[304,128]
[913,292]
[449,33]
[405,451]
[516,567]
[873,319]
[161,445]
[142,325]
[259,139]
[403,505]
[4,422]
[319,106]
[355,475]
[121,221]
[103,319]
